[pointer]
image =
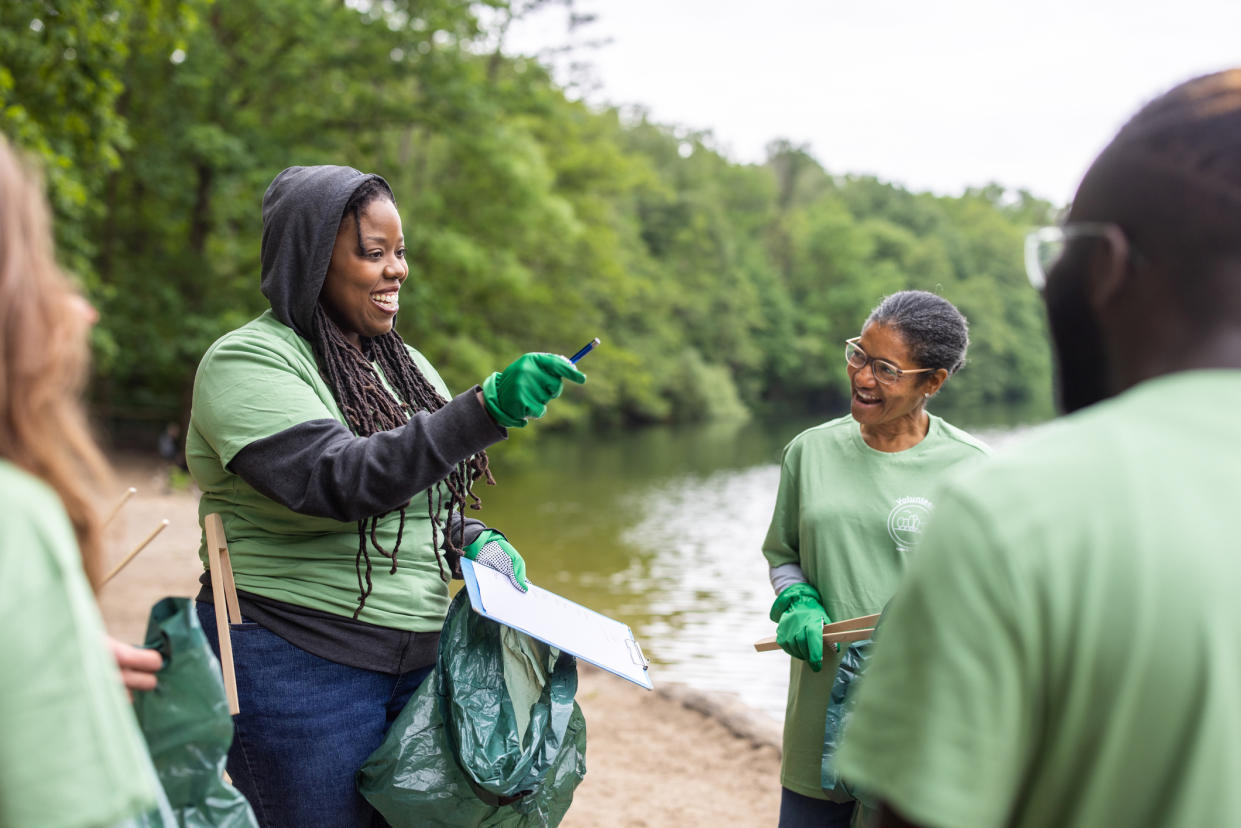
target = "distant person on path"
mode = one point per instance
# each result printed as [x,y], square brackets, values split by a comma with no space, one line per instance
[854,494]
[341,467]
[71,753]
[1066,650]
[168,444]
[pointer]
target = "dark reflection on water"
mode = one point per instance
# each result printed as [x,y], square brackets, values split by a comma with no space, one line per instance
[660,528]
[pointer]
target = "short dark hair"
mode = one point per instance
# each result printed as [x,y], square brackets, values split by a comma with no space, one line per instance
[1171,178]
[935,331]
[1190,138]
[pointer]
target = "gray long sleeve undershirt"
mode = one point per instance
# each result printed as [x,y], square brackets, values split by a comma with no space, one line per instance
[320,468]
[785,575]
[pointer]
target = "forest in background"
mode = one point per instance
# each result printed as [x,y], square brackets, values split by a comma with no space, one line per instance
[533,221]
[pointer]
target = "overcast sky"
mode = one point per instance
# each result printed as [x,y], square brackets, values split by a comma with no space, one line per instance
[934,95]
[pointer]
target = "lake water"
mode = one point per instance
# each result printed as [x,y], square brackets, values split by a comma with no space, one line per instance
[660,528]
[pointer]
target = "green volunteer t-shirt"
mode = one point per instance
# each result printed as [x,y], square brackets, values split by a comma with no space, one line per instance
[71,753]
[1066,650]
[257,381]
[849,516]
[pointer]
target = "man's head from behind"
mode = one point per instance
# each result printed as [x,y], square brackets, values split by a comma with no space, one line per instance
[1151,283]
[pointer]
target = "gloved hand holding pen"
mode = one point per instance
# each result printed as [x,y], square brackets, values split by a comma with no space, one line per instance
[523,389]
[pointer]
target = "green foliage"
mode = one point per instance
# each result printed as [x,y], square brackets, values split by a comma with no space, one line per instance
[533,221]
[61,70]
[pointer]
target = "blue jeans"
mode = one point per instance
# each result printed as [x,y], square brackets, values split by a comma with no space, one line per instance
[305,728]
[798,811]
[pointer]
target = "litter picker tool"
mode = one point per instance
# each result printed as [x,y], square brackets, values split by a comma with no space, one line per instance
[163,524]
[227,608]
[841,632]
[130,492]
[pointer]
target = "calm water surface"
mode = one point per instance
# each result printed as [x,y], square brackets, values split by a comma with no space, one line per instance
[660,528]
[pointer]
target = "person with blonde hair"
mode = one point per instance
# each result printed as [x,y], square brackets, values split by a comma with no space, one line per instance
[71,754]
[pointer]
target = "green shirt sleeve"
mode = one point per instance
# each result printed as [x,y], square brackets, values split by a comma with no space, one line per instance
[943,722]
[782,544]
[245,391]
[71,754]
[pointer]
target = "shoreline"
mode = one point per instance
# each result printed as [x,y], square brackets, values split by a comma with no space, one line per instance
[674,756]
[740,719]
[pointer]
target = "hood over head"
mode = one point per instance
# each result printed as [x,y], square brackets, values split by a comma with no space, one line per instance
[302,209]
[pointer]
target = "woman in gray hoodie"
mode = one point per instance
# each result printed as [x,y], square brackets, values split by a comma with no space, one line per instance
[340,465]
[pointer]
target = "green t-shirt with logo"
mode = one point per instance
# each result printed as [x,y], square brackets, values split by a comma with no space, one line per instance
[1066,649]
[849,515]
[257,381]
[71,753]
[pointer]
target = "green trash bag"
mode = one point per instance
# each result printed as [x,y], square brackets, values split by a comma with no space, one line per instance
[187,725]
[839,708]
[491,738]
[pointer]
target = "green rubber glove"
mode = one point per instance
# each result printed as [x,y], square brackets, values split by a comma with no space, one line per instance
[799,611]
[492,550]
[523,389]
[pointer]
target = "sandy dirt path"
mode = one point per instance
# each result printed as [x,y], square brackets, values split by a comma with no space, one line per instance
[653,759]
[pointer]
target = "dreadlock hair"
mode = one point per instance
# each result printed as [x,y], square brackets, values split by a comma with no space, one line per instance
[369,408]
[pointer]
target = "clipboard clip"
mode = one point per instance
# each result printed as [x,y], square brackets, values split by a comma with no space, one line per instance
[635,653]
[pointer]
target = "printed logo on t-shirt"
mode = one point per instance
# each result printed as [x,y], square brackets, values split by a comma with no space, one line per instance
[906,520]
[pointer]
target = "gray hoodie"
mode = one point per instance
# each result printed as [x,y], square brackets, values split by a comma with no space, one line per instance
[320,467]
[302,209]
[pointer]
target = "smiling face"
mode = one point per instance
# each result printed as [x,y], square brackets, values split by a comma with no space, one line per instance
[360,290]
[874,404]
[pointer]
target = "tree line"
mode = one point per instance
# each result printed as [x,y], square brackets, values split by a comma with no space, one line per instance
[533,221]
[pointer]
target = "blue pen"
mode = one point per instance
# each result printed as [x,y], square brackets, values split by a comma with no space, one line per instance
[585,350]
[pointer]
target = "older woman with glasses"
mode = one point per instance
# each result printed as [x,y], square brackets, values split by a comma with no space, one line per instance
[854,495]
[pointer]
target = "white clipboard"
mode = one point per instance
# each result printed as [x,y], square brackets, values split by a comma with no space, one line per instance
[565,625]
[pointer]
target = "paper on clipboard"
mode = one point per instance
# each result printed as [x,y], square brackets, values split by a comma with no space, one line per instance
[565,625]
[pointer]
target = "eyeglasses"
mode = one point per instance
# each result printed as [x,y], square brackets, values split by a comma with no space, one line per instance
[884,371]
[1045,246]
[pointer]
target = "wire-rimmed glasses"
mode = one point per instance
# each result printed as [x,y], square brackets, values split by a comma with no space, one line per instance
[1045,246]
[884,371]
